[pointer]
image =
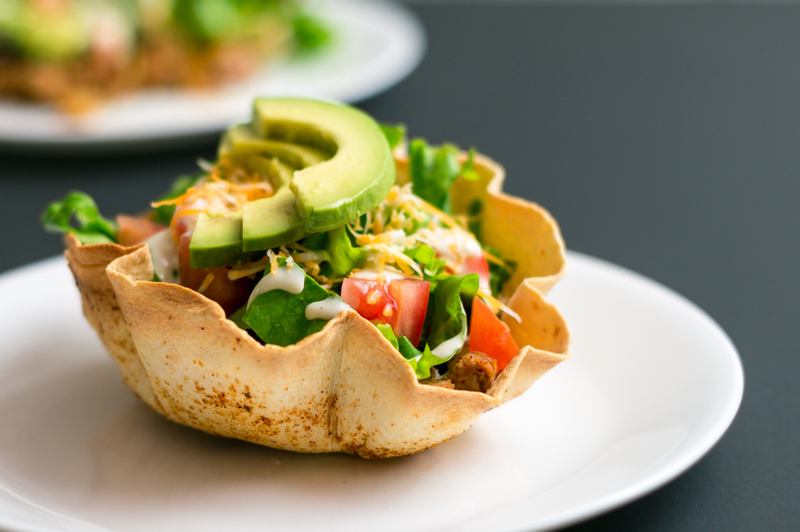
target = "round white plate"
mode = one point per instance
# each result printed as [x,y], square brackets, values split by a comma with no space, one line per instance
[377,43]
[652,384]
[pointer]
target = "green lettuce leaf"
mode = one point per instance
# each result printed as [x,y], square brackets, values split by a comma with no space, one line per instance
[420,361]
[344,256]
[468,170]
[432,267]
[434,169]
[238,317]
[91,227]
[163,215]
[204,20]
[474,213]
[499,274]
[446,312]
[310,33]
[316,242]
[388,333]
[395,134]
[279,317]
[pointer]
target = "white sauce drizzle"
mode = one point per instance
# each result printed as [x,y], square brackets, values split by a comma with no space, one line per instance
[449,347]
[326,309]
[291,279]
[453,244]
[372,275]
[164,255]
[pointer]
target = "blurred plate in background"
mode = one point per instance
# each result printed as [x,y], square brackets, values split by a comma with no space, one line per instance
[377,44]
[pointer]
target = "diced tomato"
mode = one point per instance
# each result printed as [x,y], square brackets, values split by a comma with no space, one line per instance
[401,303]
[370,299]
[135,230]
[183,224]
[477,264]
[490,336]
[411,296]
[231,295]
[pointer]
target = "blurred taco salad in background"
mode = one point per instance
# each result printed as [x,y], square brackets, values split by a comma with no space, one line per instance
[76,53]
[324,285]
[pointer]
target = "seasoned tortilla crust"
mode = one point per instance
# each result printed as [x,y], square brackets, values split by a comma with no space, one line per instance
[342,389]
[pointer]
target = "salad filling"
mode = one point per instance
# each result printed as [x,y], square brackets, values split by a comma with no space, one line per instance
[408,264]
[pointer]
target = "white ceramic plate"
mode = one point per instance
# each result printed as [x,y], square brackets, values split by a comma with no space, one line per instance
[651,386]
[377,43]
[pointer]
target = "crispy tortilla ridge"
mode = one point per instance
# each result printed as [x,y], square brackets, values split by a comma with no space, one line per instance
[101,308]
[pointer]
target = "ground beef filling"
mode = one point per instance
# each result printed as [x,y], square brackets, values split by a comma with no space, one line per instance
[474,372]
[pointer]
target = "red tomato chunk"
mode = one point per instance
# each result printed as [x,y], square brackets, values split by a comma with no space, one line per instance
[477,264]
[135,230]
[411,296]
[490,336]
[401,303]
[229,294]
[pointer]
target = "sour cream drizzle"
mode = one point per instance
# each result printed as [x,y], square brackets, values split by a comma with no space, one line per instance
[449,347]
[372,275]
[454,244]
[164,255]
[326,309]
[290,278]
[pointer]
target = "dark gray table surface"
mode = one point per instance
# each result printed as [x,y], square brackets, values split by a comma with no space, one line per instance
[663,138]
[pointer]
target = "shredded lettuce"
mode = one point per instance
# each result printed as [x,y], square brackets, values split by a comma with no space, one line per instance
[203,20]
[432,267]
[344,256]
[388,333]
[420,361]
[310,34]
[395,134]
[474,212]
[163,215]
[445,309]
[238,318]
[91,227]
[434,169]
[316,241]
[499,274]
[279,317]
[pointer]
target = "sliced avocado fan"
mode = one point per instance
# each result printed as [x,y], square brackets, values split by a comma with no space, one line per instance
[328,163]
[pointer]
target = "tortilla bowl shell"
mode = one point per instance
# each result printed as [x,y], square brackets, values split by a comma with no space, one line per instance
[344,388]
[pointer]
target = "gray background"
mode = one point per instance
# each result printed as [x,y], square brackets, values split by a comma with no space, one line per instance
[662,137]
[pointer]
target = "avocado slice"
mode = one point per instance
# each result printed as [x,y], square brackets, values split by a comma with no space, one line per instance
[272,221]
[328,163]
[354,180]
[241,139]
[217,240]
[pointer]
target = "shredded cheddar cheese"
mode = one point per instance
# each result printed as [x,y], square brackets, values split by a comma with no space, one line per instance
[494,260]
[206,283]
[498,305]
